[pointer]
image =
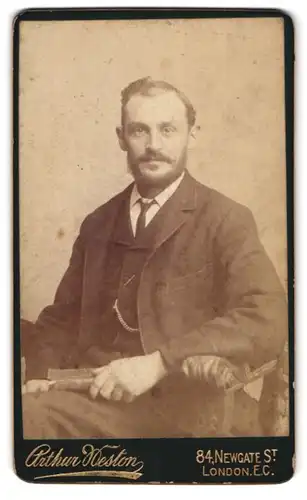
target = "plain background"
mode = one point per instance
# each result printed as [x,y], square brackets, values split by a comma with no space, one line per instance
[71,76]
[11,486]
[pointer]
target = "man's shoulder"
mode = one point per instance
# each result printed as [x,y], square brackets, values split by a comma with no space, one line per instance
[217,205]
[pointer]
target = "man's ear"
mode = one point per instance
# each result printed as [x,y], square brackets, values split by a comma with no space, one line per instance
[121,139]
[193,135]
[194,131]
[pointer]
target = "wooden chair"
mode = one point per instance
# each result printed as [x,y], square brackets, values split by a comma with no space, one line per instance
[267,385]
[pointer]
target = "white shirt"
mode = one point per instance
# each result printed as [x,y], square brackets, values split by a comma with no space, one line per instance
[160,199]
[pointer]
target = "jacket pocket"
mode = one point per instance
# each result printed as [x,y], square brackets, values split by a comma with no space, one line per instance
[196,278]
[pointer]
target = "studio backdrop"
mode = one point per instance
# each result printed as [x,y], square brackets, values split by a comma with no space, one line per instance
[71,76]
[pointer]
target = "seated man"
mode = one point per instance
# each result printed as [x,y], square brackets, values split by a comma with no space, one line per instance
[166,270]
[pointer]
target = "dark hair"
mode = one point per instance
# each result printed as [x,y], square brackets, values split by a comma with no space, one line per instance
[146,86]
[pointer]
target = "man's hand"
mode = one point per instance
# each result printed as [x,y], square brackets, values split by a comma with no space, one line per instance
[37,386]
[125,379]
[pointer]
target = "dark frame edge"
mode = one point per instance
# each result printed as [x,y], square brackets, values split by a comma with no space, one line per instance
[289,40]
[133,13]
[289,82]
[17,427]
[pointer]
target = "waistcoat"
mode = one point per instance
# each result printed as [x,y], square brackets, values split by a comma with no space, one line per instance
[125,260]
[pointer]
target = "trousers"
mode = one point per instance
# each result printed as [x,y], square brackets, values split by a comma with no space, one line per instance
[189,411]
[64,414]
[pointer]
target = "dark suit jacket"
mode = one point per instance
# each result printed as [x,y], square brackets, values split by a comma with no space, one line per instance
[208,287]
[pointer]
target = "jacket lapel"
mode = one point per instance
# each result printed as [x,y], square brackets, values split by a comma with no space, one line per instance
[122,233]
[176,211]
[106,227]
[170,218]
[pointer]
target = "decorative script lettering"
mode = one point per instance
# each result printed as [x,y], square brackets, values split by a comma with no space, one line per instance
[112,458]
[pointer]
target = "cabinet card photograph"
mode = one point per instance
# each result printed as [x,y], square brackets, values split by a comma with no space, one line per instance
[153,245]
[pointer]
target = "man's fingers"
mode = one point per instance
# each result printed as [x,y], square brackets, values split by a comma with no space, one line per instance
[127,397]
[35,386]
[107,388]
[94,391]
[96,371]
[117,394]
[99,381]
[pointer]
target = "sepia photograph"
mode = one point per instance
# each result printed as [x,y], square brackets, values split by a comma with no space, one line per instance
[153,242]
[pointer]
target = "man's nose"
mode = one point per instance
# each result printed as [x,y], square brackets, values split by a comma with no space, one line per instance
[154,141]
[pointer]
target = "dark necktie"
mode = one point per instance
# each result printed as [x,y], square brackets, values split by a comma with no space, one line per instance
[141,222]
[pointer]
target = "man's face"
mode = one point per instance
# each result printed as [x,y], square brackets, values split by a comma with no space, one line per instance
[155,134]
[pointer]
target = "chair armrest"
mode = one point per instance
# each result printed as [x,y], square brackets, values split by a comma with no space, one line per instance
[229,378]
[223,374]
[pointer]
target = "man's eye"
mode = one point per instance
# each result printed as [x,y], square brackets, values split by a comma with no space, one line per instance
[167,130]
[138,131]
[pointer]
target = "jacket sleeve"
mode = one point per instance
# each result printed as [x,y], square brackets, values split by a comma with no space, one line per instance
[57,326]
[253,327]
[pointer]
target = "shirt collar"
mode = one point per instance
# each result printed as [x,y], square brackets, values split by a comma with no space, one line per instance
[161,198]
